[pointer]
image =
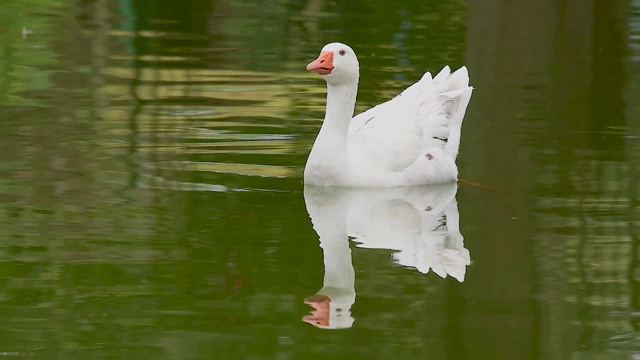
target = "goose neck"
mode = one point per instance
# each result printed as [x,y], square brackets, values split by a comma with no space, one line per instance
[341,101]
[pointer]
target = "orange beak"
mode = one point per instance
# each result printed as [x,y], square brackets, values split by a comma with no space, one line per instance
[323,65]
[320,314]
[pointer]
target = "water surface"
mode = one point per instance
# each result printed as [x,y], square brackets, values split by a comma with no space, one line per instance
[152,205]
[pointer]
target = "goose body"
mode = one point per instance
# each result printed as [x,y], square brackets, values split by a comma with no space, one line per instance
[412,139]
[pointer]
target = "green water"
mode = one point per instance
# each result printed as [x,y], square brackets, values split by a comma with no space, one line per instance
[152,205]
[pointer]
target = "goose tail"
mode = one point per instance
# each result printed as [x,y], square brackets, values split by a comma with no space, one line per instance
[454,94]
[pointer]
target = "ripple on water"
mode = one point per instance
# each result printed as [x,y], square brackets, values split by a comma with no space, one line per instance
[207,129]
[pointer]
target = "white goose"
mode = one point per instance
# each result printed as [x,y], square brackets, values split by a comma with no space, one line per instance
[412,139]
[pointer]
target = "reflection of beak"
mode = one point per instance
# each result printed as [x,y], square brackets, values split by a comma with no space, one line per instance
[323,65]
[319,316]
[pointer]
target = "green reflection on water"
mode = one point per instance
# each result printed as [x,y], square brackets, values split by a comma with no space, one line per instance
[151,202]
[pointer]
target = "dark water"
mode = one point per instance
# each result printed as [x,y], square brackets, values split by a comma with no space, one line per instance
[152,207]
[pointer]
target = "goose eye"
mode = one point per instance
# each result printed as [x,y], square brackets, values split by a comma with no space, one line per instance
[342,52]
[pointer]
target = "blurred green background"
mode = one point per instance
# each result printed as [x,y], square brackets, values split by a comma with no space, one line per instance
[151,199]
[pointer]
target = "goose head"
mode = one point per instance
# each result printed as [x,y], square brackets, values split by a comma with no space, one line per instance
[337,64]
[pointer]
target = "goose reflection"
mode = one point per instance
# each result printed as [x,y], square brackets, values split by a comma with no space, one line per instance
[421,225]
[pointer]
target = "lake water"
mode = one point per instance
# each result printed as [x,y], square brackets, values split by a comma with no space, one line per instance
[152,204]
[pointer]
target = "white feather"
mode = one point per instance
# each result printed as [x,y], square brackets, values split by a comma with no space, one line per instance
[412,139]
